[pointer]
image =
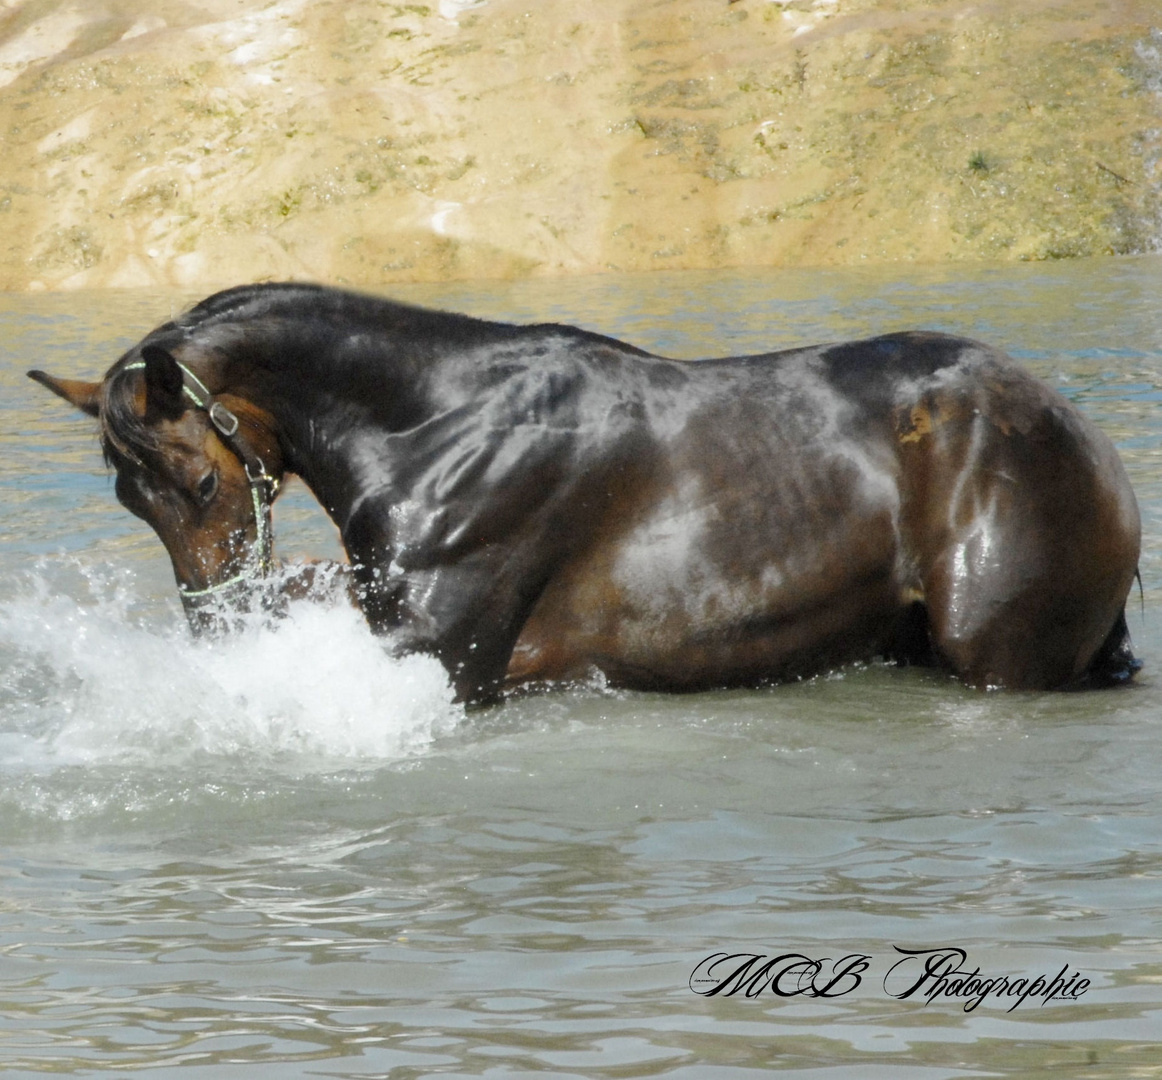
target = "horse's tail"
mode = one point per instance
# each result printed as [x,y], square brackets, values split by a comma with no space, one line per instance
[1114,664]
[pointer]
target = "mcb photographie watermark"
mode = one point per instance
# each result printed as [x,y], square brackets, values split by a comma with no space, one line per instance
[935,974]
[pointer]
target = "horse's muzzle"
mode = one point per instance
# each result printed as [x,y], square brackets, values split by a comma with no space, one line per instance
[231,608]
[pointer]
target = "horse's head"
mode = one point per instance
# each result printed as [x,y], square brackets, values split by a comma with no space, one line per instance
[200,468]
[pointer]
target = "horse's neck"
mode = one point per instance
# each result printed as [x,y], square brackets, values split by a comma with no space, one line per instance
[328,428]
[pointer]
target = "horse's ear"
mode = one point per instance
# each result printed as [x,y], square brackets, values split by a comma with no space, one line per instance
[86,396]
[163,382]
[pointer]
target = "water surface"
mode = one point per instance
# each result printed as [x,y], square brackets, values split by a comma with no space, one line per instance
[292,853]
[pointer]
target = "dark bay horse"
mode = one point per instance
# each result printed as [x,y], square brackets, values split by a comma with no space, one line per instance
[531,503]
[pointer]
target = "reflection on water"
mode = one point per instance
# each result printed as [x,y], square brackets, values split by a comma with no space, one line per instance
[294,852]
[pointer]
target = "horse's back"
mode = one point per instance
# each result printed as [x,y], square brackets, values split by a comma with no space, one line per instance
[757,541]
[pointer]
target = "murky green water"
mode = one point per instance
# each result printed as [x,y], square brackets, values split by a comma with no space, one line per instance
[291,856]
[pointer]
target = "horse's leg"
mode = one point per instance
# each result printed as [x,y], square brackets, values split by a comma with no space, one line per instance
[1029,591]
[468,613]
[1037,634]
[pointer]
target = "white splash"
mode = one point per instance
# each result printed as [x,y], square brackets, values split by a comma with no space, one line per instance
[84,682]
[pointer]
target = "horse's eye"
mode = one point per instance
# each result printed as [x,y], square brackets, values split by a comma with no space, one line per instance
[208,487]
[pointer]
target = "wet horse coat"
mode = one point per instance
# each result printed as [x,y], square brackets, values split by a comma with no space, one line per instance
[532,503]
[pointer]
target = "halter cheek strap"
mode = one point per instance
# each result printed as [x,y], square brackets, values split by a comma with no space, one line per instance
[263,488]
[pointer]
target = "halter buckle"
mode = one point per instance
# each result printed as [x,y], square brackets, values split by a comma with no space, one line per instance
[223,419]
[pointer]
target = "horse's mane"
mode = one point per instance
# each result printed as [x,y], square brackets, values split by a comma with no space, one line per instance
[327,307]
[293,311]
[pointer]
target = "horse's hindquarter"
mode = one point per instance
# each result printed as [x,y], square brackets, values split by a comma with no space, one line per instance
[1021,520]
[763,543]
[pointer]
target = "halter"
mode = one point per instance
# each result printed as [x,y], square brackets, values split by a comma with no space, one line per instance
[263,489]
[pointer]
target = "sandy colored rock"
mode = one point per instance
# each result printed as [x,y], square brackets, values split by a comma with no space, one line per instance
[209,141]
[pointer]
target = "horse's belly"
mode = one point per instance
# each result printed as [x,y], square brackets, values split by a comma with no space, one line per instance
[661,613]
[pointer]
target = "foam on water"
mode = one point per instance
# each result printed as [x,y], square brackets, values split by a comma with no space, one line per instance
[91,680]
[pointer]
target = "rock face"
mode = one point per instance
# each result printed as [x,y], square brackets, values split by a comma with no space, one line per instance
[195,142]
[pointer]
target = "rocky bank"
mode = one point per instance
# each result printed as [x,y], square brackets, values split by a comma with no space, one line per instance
[195,142]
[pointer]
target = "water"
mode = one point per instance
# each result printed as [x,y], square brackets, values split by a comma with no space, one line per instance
[291,853]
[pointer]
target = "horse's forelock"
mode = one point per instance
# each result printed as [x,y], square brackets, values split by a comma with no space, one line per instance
[124,433]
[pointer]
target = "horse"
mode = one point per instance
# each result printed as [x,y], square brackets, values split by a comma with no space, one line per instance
[533,504]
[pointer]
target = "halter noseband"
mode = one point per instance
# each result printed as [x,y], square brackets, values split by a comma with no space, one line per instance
[263,489]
